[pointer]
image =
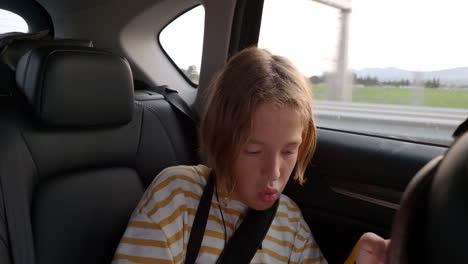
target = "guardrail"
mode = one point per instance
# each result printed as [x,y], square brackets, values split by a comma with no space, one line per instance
[418,123]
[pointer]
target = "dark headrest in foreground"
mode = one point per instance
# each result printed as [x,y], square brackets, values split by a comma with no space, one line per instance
[76,86]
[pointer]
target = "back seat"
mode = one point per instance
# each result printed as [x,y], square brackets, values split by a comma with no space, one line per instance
[77,152]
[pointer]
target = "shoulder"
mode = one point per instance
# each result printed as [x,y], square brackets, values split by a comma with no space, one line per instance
[200,170]
[288,206]
[174,186]
[181,176]
[178,180]
[291,213]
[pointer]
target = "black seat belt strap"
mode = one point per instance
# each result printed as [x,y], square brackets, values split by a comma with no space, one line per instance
[247,239]
[242,246]
[199,223]
[173,97]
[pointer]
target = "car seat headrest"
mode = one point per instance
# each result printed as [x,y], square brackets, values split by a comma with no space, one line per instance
[76,86]
[408,225]
[14,45]
[430,225]
[447,218]
[462,128]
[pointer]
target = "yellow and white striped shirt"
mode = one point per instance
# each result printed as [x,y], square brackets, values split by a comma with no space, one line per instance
[159,229]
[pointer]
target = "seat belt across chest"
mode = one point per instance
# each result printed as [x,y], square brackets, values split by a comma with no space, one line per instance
[246,240]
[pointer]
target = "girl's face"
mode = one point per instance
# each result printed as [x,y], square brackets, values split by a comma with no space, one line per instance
[266,161]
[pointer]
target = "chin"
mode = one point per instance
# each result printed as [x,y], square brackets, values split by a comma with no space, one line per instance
[262,206]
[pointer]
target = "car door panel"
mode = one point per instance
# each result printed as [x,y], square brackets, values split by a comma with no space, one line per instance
[354,184]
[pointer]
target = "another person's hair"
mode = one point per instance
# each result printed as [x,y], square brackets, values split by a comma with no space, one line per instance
[250,78]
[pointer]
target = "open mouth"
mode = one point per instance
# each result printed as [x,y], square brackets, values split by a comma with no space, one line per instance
[268,195]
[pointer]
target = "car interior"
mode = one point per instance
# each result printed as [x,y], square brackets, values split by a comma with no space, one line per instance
[85,126]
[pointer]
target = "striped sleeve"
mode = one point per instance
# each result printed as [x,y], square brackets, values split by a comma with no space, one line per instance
[310,253]
[156,231]
[305,248]
[143,243]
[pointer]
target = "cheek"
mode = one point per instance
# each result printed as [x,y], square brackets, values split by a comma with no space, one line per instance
[243,167]
[248,172]
[288,167]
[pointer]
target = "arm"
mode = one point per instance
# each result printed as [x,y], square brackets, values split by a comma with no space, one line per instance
[311,253]
[308,251]
[304,248]
[154,231]
[143,241]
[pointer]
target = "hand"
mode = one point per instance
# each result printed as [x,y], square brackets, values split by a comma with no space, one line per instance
[372,249]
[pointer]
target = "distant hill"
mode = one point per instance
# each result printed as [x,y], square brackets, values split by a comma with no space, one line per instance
[454,76]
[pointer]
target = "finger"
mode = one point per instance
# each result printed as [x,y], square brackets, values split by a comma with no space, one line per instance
[371,249]
[387,243]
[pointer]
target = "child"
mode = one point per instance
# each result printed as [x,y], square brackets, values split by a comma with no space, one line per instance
[257,131]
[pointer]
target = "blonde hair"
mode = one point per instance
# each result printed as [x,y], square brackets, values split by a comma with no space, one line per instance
[250,78]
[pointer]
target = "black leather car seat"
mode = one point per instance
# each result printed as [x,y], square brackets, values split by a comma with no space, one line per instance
[76,155]
[431,224]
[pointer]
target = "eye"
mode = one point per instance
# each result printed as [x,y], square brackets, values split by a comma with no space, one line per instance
[252,152]
[289,152]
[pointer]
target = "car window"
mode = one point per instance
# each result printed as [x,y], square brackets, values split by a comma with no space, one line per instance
[182,41]
[390,68]
[11,22]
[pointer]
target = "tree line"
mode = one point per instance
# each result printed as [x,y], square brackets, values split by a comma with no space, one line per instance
[374,81]
[192,73]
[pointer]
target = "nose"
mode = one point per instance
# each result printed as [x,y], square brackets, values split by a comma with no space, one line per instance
[271,167]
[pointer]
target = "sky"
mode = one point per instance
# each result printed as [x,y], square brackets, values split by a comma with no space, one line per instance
[10,21]
[421,35]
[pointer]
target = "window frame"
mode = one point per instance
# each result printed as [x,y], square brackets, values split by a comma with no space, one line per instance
[158,37]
